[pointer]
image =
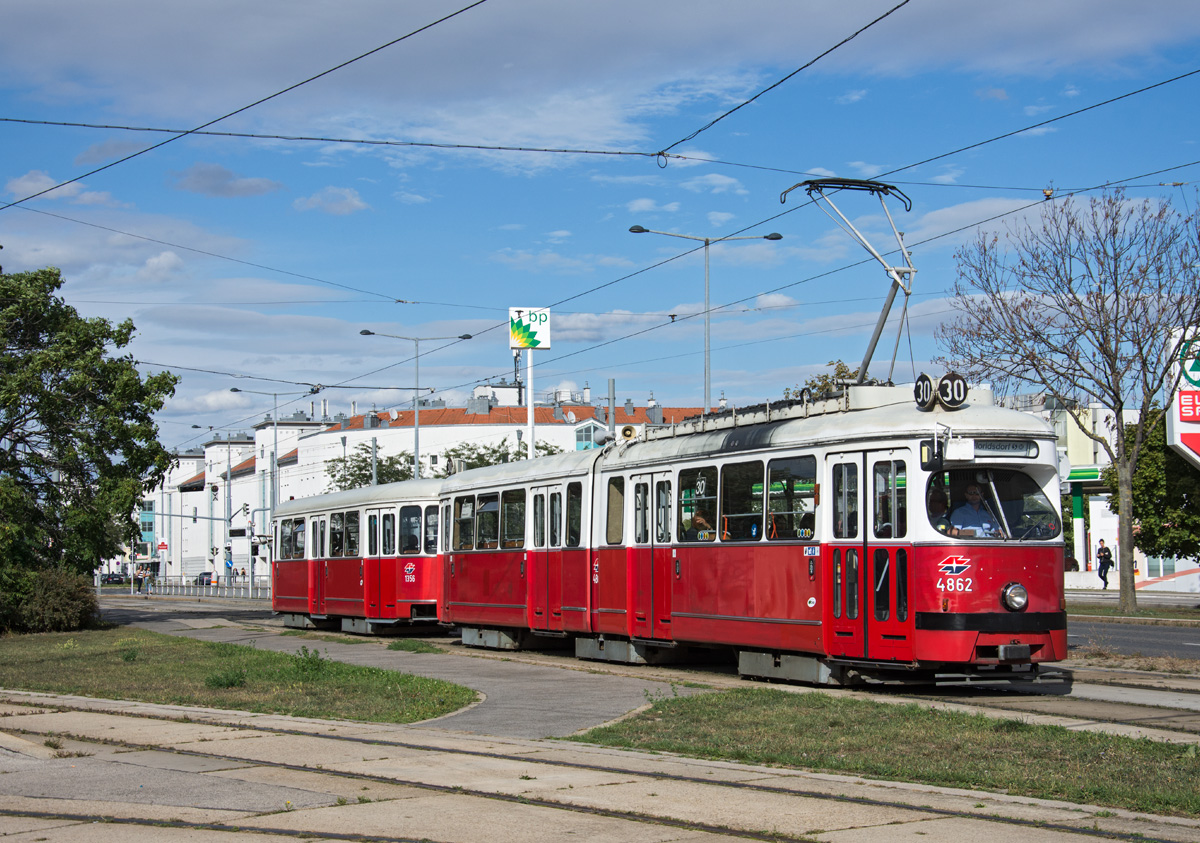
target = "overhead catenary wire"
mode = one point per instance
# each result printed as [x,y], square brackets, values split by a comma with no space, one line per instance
[245,108]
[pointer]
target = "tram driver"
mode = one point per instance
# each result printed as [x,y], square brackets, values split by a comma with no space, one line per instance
[974,517]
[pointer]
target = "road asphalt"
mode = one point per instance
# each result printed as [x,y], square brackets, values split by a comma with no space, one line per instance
[79,769]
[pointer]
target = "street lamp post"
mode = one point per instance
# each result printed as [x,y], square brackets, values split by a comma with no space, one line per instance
[416,388]
[637,229]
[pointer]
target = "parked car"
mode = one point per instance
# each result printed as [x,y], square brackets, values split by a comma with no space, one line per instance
[112,579]
[204,579]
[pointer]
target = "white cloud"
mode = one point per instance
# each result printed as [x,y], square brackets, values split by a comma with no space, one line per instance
[339,201]
[851,97]
[714,183]
[718,218]
[160,268]
[215,180]
[649,206]
[866,170]
[411,198]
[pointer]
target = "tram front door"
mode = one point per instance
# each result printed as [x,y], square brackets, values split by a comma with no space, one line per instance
[867,558]
[650,557]
[546,559]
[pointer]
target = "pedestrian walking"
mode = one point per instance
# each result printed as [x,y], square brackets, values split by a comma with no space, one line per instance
[1104,557]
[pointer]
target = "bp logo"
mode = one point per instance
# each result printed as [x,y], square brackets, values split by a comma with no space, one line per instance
[1189,358]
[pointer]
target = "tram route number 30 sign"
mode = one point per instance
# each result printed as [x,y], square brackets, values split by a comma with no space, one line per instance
[950,391]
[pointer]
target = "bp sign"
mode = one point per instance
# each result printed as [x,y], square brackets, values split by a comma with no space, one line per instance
[529,327]
[1183,417]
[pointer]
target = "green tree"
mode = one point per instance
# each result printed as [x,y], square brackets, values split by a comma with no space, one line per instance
[1086,304]
[825,382]
[354,471]
[1166,498]
[78,442]
[478,456]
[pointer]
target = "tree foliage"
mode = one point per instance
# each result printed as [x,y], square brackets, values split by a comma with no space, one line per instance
[354,471]
[1166,498]
[478,456]
[1085,304]
[825,382]
[78,442]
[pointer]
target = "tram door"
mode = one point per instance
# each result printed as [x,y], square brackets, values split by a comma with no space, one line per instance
[650,557]
[316,566]
[545,559]
[868,556]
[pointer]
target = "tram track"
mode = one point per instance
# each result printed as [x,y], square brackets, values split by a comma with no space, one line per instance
[592,768]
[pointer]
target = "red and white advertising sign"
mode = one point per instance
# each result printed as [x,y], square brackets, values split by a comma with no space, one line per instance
[1183,419]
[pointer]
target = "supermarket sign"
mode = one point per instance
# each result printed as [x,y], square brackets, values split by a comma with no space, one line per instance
[1183,419]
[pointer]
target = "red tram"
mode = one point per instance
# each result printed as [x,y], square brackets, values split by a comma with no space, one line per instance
[807,539]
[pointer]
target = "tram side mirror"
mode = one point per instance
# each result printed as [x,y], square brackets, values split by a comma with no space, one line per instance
[931,455]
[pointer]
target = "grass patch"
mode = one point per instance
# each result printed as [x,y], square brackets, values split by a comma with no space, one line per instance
[912,743]
[1166,613]
[326,637]
[413,645]
[181,671]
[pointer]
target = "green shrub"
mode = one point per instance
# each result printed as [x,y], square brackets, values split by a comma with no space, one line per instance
[58,600]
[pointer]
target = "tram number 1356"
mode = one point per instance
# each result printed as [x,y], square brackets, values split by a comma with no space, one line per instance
[955,584]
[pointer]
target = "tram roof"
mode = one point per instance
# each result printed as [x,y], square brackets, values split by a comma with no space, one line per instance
[404,490]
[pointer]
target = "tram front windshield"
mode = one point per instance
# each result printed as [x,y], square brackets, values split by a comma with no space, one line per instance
[995,503]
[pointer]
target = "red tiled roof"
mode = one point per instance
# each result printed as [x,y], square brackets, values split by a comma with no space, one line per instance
[446,416]
[192,484]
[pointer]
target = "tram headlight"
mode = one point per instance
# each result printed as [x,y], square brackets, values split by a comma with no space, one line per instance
[1015,597]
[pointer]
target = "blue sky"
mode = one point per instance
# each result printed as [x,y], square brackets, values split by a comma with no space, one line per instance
[247,259]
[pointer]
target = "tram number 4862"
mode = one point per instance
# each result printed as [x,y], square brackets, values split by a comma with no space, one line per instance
[955,584]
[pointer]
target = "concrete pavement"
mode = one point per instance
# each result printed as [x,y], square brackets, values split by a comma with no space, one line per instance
[114,775]
[78,769]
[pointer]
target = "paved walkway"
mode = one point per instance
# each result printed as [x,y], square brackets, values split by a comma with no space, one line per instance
[77,770]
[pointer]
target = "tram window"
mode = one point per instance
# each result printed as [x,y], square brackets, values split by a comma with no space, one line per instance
[284,538]
[697,504]
[574,514]
[641,513]
[556,519]
[662,511]
[318,539]
[487,522]
[447,531]
[512,518]
[901,584]
[539,520]
[791,499]
[1010,505]
[837,582]
[845,501]
[851,583]
[614,530]
[742,502]
[388,534]
[883,584]
[464,523]
[888,493]
[352,536]
[373,534]
[337,532]
[431,528]
[298,543]
[410,529]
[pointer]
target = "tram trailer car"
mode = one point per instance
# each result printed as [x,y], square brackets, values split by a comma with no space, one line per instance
[365,559]
[802,538]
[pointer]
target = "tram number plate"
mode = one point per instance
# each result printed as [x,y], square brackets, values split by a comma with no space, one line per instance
[955,584]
